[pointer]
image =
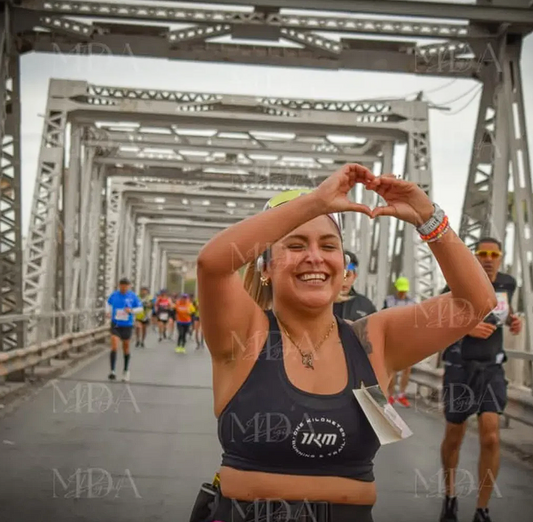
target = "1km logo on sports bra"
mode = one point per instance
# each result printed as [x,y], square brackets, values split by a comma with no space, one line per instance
[318,437]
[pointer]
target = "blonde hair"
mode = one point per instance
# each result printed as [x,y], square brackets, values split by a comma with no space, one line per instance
[262,295]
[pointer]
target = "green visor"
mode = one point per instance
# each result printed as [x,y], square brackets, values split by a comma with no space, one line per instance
[289,195]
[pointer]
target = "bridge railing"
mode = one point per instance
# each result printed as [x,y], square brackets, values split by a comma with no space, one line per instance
[51,325]
[82,328]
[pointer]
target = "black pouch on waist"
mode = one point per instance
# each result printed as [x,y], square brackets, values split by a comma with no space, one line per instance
[206,503]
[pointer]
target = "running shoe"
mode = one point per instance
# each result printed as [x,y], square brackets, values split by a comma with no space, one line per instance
[126,376]
[482,515]
[402,399]
[449,510]
[112,376]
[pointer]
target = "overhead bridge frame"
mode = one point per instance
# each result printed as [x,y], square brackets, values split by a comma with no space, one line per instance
[61,270]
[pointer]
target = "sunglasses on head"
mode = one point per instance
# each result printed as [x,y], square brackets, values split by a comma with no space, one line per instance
[493,254]
[289,195]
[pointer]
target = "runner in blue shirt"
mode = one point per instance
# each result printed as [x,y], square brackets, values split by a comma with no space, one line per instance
[123,305]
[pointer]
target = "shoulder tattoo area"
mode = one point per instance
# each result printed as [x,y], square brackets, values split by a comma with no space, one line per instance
[361,330]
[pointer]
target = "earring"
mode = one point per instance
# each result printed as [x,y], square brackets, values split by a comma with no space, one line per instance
[259,264]
[264,281]
[345,275]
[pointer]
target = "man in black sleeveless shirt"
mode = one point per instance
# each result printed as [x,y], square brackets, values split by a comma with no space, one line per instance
[350,304]
[474,383]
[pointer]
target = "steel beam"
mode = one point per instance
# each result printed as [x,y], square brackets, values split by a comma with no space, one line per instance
[522,183]
[519,15]
[149,213]
[40,260]
[219,144]
[360,55]
[267,179]
[11,297]
[256,18]
[483,213]
[377,286]
[242,167]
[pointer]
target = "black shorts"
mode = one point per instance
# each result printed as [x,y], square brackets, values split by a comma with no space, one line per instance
[172,315]
[473,388]
[122,332]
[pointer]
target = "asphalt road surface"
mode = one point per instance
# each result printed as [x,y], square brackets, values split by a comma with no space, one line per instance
[84,449]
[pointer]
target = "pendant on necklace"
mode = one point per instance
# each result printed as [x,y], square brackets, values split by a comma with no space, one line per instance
[307,360]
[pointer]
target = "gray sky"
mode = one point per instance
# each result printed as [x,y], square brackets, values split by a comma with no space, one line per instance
[451,134]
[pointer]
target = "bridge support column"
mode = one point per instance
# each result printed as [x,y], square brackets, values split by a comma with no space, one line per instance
[114,204]
[500,154]
[139,255]
[378,263]
[90,288]
[11,296]
[411,257]
[363,238]
[45,237]
[72,216]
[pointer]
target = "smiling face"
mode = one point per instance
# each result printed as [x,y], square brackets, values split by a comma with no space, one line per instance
[307,265]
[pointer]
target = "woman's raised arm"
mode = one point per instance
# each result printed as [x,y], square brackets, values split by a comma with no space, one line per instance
[404,336]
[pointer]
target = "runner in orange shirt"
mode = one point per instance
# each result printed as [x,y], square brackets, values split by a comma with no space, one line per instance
[184,312]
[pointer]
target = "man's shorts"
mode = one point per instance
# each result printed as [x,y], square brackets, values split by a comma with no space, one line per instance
[473,388]
[122,332]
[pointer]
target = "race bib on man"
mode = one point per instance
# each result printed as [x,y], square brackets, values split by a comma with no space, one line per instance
[501,312]
[121,315]
[163,316]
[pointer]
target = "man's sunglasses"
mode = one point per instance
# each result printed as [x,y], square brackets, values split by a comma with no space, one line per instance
[493,254]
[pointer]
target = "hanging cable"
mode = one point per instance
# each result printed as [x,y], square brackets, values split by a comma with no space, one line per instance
[441,104]
[416,93]
[467,104]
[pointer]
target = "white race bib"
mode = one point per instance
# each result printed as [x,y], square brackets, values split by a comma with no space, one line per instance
[502,308]
[163,316]
[121,315]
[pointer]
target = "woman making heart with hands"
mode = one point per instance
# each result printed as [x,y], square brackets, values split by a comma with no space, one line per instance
[285,366]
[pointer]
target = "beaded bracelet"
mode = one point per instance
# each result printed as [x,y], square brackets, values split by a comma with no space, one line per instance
[439,235]
[437,231]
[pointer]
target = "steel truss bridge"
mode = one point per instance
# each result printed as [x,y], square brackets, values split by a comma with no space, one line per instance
[131,179]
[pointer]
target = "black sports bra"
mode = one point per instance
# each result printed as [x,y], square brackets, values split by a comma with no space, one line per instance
[274,427]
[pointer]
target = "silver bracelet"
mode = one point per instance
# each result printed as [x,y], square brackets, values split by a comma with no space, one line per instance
[433,222]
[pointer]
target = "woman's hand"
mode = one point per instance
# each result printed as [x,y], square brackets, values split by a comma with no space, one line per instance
[405,200]
[333,191]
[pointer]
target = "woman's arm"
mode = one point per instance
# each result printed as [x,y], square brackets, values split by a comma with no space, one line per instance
[413,333]
[400,337]
[228,311]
